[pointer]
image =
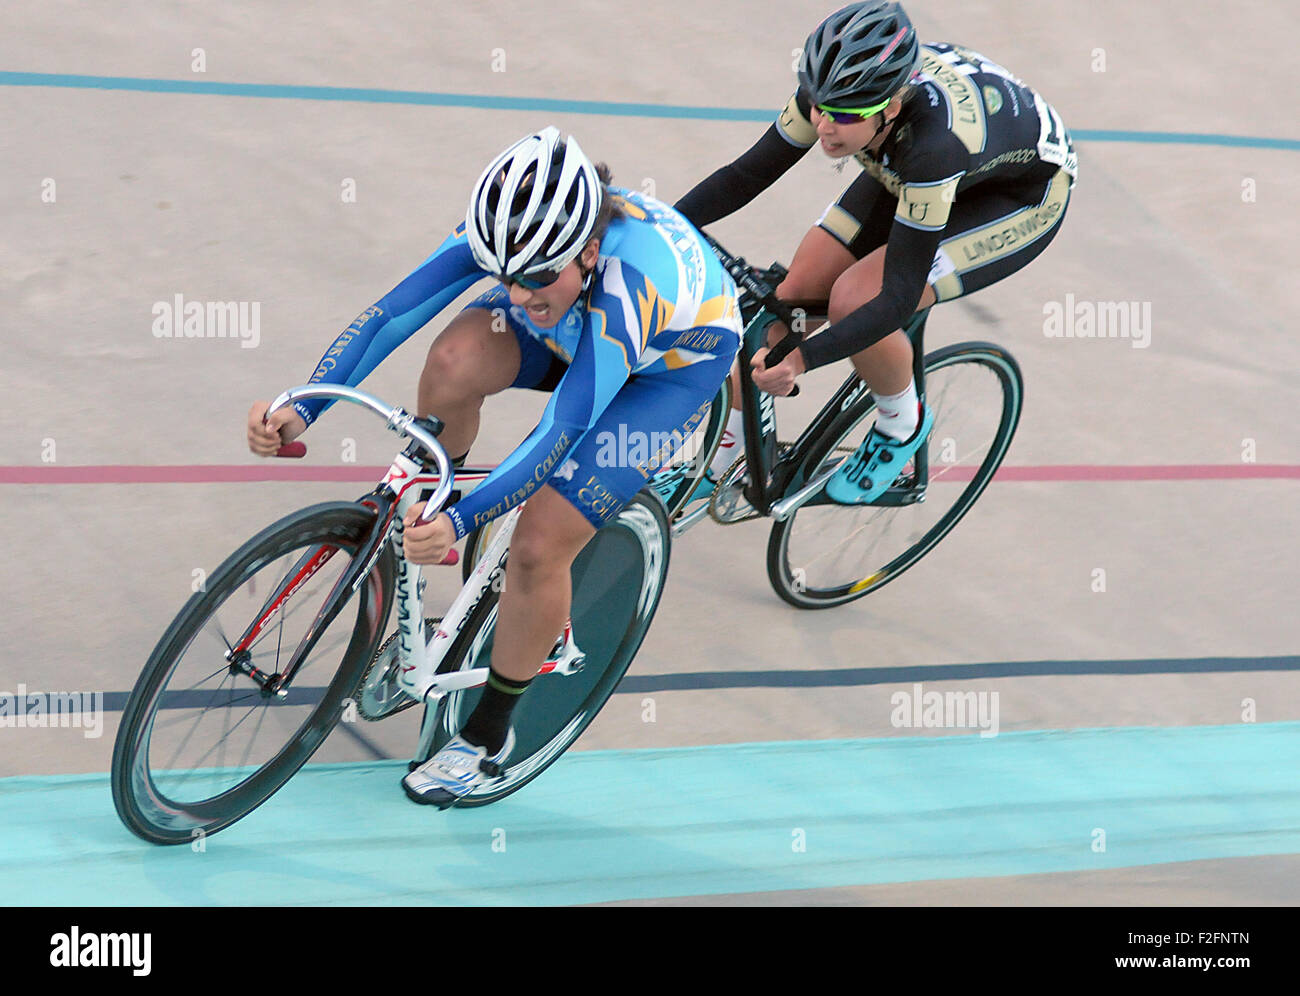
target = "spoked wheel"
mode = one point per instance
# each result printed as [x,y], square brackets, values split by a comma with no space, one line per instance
[617,581]
[202,742]
[827,554]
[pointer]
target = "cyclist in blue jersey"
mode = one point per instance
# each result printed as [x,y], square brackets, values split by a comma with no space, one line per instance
[967,172]
[613,303]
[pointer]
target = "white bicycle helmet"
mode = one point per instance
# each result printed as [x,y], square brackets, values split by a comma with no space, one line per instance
[534,207]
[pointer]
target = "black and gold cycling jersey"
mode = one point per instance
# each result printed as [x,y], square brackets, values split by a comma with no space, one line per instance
[968,128]
[968,121]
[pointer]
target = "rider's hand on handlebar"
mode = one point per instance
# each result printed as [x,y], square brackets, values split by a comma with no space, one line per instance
[429,542]
[778,380]
[265,438]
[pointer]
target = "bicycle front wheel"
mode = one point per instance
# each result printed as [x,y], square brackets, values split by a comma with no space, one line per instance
[202,743]
[827,554]
[617,582]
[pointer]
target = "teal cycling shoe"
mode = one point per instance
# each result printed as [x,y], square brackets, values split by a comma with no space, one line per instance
[876,464]
[703,490]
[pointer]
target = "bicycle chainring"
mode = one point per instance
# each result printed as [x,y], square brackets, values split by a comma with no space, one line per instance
[728,504]
[378,695]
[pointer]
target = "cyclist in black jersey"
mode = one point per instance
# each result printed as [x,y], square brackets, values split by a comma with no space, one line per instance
[966,176]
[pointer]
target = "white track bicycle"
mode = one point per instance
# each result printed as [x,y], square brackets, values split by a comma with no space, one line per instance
[259,667]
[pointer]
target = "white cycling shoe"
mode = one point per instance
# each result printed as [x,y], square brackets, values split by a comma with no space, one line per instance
[455,771]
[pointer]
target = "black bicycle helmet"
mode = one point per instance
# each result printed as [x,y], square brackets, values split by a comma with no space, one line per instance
[859,56]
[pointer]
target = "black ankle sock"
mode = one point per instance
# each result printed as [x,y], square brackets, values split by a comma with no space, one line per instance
[487,725]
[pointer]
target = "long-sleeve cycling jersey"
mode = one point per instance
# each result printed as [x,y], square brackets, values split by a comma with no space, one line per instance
[968,122]
[658,300]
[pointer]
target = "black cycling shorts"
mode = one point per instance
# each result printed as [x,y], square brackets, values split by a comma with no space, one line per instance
[992,231]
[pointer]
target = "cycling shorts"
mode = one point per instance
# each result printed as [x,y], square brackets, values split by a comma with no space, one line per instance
[992,231]
[649,420]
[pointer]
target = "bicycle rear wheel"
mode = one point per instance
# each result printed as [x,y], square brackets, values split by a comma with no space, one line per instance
[617,582]
[202,744]
[827,554]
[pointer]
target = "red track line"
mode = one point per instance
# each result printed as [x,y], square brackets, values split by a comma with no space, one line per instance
[234,473]
[184,474]
[1157,472]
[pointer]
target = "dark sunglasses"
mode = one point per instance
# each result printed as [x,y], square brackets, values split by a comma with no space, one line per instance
[534,282]
[848,115]
[844,117]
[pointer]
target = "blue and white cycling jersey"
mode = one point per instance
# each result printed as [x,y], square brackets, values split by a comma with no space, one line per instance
[658,302]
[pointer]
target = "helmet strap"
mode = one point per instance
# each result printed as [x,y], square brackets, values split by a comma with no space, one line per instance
[882,124]
[586,273]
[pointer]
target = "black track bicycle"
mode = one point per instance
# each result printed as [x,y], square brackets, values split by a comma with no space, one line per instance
[822,553]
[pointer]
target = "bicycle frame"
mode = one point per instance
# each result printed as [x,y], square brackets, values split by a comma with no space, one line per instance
[404,485]
[774,487]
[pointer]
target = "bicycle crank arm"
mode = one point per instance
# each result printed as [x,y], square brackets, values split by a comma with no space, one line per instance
[566,657]
[684,522]
[454,681]
[786,507]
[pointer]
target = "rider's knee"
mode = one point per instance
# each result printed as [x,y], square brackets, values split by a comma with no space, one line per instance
[851,293]
[535,551]
[451,368]
[801,284]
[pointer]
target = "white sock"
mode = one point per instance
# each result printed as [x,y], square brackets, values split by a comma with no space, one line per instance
[732,445]
[897,415]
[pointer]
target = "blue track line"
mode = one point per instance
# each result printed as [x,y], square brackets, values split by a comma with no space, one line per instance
[609,825]
[611,108]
